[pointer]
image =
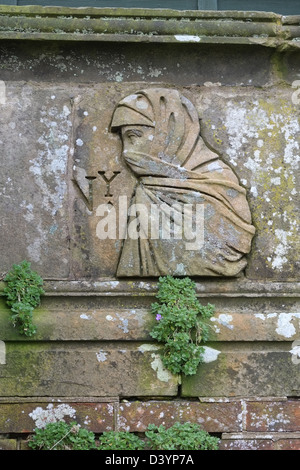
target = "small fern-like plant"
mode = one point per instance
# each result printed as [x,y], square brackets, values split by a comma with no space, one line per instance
[23,291]
[181,324]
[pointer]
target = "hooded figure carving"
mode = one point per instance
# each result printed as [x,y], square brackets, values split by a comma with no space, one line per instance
[176,174]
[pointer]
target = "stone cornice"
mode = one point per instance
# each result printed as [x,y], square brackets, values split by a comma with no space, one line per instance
[147,25]
[221,287]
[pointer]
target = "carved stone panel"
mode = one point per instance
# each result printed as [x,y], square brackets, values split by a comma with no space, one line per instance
[71,186]
[153,197]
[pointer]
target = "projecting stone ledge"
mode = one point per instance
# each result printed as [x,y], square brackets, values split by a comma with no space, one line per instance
[226,288]
[157,25]
[115,318]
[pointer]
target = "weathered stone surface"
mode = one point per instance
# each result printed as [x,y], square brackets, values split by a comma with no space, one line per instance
[260,441]
[244,423]
[35,132]
[105,324]
[287,444]
[259,134]
[153,63]
[274,416]
[111,318]
[25,417]
[87,321]
[258,139]
[290,65]
[246,444]
[243,289]
[249,370]
[92,369]
[138,25]
[271,326]
[8,444]
[213,417]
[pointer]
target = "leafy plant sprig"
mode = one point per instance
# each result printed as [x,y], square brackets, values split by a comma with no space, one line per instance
[62,436]
[120,440]
[23,292]
[180,436]
[181,324]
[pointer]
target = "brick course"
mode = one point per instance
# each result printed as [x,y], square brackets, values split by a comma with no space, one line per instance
[243,424]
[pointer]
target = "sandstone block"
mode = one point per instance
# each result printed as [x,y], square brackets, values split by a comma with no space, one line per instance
[25,417]
[247,371]
[213,417]
[92,369]
[8,444]
[273,416]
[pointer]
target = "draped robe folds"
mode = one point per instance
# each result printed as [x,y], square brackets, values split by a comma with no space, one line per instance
[181,172]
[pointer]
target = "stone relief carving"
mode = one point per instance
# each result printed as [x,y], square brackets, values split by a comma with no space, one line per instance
[183,189]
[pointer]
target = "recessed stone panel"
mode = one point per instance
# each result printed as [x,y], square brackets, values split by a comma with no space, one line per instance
[64,171]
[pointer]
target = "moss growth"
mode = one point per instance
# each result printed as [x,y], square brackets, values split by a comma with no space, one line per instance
[28,364]
[279,67]
[204,381]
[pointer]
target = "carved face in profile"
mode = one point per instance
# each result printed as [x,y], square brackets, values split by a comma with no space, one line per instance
[158,123]
[137,141]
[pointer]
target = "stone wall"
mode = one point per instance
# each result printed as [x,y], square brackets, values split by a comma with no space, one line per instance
[63,72]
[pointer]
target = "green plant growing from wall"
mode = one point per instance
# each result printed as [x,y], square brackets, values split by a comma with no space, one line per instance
[120,440]
[181,324]
[23,292]
[62,436]
[71,436]
[180,436]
